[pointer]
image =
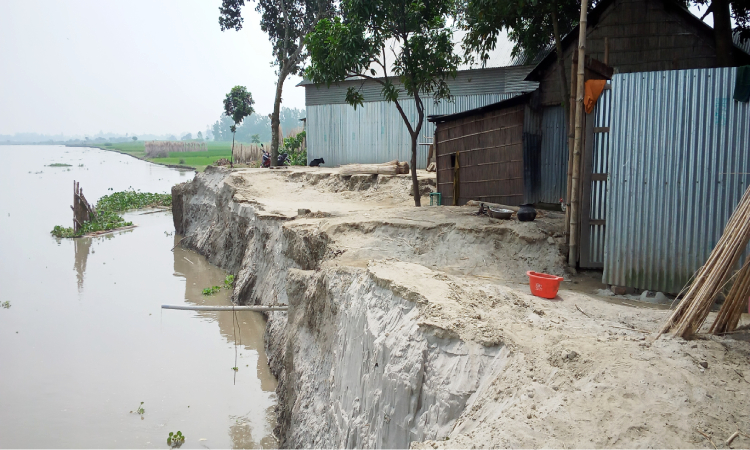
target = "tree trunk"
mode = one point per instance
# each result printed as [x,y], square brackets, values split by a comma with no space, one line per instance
[231,161]
[414,138]
[578,141]
[723,33]
[275,138]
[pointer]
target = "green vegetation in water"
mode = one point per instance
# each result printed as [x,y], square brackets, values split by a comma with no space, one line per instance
[107,209]
[235,369]
[140,409]
[5,305]
[59,165]
[228,282]
[211,290]
[175,440]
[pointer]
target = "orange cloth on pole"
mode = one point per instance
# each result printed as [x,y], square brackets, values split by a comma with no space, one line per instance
[593,90]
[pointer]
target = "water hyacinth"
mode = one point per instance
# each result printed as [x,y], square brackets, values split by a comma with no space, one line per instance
[108,207]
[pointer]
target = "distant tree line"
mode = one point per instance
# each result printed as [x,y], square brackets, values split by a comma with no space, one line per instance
[257,127]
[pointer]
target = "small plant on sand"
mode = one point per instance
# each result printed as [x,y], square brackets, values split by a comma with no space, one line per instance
[175,440]
[211,290]
[5,305]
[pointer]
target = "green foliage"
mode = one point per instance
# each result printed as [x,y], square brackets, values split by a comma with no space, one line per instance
[175,440]
[528,22]
[255,139]
[228,282]
[59,165]
[140,409]
[235,369]
[211,290]
[293,147]
[135,138]
[238,104]
[5,305]
[106,217]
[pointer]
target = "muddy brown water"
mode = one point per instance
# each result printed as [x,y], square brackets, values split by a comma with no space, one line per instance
[84,340]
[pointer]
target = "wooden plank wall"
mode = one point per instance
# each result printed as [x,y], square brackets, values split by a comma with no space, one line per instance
[490,157]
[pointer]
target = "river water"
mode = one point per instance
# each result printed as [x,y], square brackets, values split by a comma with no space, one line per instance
[84,339]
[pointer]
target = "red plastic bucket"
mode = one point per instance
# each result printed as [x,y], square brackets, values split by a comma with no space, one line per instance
[543,285]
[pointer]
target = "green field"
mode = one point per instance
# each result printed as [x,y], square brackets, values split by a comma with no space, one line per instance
[196,160]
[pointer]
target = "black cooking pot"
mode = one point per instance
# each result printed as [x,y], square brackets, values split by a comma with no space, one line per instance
[526,212]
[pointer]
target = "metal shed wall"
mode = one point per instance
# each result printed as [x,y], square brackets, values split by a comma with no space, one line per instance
[680,162]
[488,149]
[375,132]
[545,155]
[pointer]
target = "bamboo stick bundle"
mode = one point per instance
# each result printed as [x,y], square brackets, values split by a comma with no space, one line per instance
[389,168]
[729,314]
[692,311]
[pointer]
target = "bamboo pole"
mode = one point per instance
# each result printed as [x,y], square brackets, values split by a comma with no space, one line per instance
[578,140]
[571,137]
[226,308]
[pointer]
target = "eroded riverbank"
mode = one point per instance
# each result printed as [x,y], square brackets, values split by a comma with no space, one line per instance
[410,327]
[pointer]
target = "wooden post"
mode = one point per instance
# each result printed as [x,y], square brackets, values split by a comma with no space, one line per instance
[606,50]
[578,140]
[571,137]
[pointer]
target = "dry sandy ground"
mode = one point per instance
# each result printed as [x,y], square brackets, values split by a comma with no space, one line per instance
[582,370]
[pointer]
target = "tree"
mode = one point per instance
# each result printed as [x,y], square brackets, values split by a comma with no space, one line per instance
[286,22]
[532,25]
[255,139]
[200,136]
[238,104]
[187,137]
[724,12]
[135,138]
[413,33]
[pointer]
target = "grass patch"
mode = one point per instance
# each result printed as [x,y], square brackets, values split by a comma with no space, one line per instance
[196,160]
[107,209]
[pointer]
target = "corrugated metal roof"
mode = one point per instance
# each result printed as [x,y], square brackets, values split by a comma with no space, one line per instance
[679,165]
[497,80]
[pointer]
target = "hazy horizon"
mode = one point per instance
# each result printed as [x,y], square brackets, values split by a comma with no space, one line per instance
[160,67]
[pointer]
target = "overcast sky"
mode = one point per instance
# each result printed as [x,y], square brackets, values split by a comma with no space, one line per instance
[137,66]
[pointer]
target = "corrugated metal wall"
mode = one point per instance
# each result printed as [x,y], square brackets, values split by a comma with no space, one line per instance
[375,132]
[550,163]
[680,163]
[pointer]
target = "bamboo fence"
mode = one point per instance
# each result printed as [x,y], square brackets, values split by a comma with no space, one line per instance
[82,210]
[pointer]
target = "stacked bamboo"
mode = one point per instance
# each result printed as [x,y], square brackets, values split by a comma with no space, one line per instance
[161,149]
[390,168]
[247,153]
[710,279]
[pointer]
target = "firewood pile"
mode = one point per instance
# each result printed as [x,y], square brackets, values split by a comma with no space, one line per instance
[713,277]
[389,168]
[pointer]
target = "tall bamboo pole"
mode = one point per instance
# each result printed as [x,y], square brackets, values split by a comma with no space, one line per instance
[578,141]
[571,136]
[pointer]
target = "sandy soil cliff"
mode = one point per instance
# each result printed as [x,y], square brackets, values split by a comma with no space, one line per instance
[416,327]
